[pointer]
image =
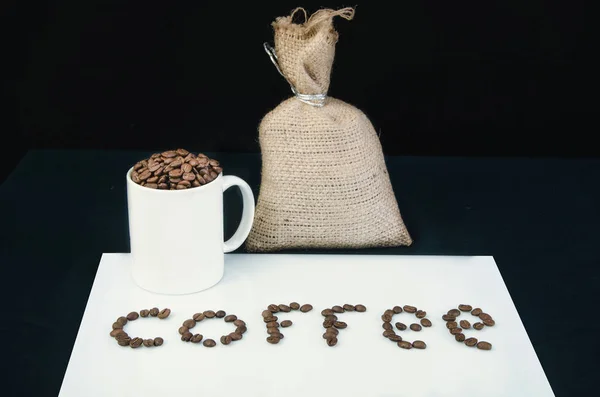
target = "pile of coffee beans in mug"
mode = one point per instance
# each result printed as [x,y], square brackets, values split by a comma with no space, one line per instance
[175,170]
[123,339]
[456,328]
[331,323]
[272,321]
[187,336]
[388,329]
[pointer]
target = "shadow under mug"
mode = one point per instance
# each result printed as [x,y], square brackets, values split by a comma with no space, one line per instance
[176,236]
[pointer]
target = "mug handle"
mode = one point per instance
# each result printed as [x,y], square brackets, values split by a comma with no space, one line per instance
[243,230]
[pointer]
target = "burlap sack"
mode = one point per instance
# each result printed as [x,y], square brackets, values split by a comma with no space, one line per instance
[324,181]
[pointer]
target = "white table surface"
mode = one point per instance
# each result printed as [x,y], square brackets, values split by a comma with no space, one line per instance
[363,363]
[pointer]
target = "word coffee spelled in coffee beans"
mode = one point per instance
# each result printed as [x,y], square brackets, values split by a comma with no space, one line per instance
[123,339]
[456,329]
[331,323]
[188,324]
[272,322]
[393,337]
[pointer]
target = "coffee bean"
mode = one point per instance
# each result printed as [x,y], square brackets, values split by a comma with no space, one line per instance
[136,342]
[144,313]
[395,338]
[455,331]
[340,325]
[447,317]
[124,341]
[198,317]
[294,305]
[386,318]
[241,329]
[132,316]
[239,322]
[176,173]
[117,326]
[152,180]
[183,329]
[268,313]
[332,341]
[476,312]
[489,323]
[164,313]
[484,346]
[148,342]
[209,314]
[338,309]
[151,185]
[327,312]
[169,154]
[197,338]
[418,344]
[177,163]
[397,309]
[332,331]
[163,186]
[285,308]
[471,342]
[485,316]
[465,308]
[410,309]
[158,341]
[426,323]
[218,170]
[273,324]
[388,333]
[272,330]
[187,336]
[189,323]
[182,152]
[154,311]
[273,340]
[286,323]
[421,314]
[235,336]
[122,336]
[349,308]
[416,327]
[360,308]
[270,319]
[460,337]
[478,326]
[454,312]
[306,308]
[122,320]
[328,323]
[116,332]
[464,324]
[451,324]
[272,309]
[144,175]
[209,343]
[387,326]
[231,318]
[405,345]
[220,314]
[401,327]
[187,168]
[183,185]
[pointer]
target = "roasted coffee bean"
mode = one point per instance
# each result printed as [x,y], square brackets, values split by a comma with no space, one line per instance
[489,323]
[464,324]
[272,309]
[454,312]
[460,337]
[122,320]
[338,309]
[144,313]
[213,163]
[386,318]
[447,317]
[360,308]
[117,326]
[388,333]
[175,173]
[225,340]
[209,314]
[169,154]
[136,342]
[273,340]
[235,336]
[426,323]
[397,309]
[294,305]
[416,327]
[277,335]
[239,322]
[401,327]
[451,324]
[332,331]
[182,152]
[186,337]
[183,329]
[268,313]
[419,344]
[270,319]
[349,308]
[306,308]
[476,312]
[471,342]
[272,330]
[189,323]
[220,314]
[484,346]
[183,185]
[465,308]
[389,312]
[158,341]
[387,326]
[332,341]
[132,316]
[218,170]
[197,338]
[148,342]
[231,318]
[478,326]
[187,168]
[405,345]
[154,311]
[198,317]
[241,329]
[340,325]
[116,332]
[177,163]
[410,309]
[285,308]
[122,335]
[209,343]
[455,331]
[330,318]
[273,324]
[395,338]
[421,314]
[164,313]
[328,323]
[151,185]
[327,312]
[153,179]
[286,323]
[144,175]
[485,316]
[124,341]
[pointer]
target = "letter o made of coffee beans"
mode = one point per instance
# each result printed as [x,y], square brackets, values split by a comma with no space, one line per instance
[123,339]
[456,326]
[272,321]
[188,325]
[390,334]
[331,323]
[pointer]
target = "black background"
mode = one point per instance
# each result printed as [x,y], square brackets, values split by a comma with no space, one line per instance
[493,78]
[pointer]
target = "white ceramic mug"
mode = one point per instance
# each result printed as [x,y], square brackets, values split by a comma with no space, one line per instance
[176,236]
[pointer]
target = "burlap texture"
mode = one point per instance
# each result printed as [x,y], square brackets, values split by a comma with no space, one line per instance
[324,181]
